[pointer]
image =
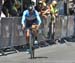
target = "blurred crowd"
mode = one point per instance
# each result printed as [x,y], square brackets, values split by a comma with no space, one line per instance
[12,8]
[16,7]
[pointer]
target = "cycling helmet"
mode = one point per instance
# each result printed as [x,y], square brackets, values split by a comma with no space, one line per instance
[30,8]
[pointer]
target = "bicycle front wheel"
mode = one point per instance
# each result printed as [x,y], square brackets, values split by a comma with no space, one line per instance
[31,42]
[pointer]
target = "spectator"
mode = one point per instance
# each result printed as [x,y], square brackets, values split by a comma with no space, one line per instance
[26,3]
[41,8]
[44,2]
[9,8]
[54,14]
[38,7]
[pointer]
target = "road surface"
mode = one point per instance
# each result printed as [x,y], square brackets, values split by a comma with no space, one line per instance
[57,53]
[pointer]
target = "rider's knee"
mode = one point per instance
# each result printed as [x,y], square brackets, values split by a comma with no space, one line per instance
[33,26]
[28,33]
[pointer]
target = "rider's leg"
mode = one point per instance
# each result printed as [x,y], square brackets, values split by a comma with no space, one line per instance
[35,30]
[27,37]
[36,43]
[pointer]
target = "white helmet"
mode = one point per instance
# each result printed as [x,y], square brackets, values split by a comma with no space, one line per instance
[54,2]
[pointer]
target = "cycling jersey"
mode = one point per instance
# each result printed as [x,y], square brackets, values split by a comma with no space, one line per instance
[27,18]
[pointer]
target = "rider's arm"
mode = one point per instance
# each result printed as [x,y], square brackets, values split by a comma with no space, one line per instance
[38,17]
[23,22]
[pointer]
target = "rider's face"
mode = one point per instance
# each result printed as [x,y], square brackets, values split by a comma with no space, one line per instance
[31,11]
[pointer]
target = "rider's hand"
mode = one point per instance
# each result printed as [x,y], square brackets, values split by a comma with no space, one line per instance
[23,27]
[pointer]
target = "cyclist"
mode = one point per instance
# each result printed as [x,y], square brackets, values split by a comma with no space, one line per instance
[32,19]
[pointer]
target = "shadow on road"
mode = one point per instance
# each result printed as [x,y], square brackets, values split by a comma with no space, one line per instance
[41,57]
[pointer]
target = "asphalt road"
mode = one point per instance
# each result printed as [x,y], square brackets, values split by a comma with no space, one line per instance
[57,53]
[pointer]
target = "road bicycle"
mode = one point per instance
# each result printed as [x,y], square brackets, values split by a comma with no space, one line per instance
[31,42]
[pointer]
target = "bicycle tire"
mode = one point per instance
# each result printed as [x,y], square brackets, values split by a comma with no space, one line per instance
[31,42]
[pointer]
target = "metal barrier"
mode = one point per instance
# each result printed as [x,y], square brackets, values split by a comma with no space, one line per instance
[11,33]
[64,27]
